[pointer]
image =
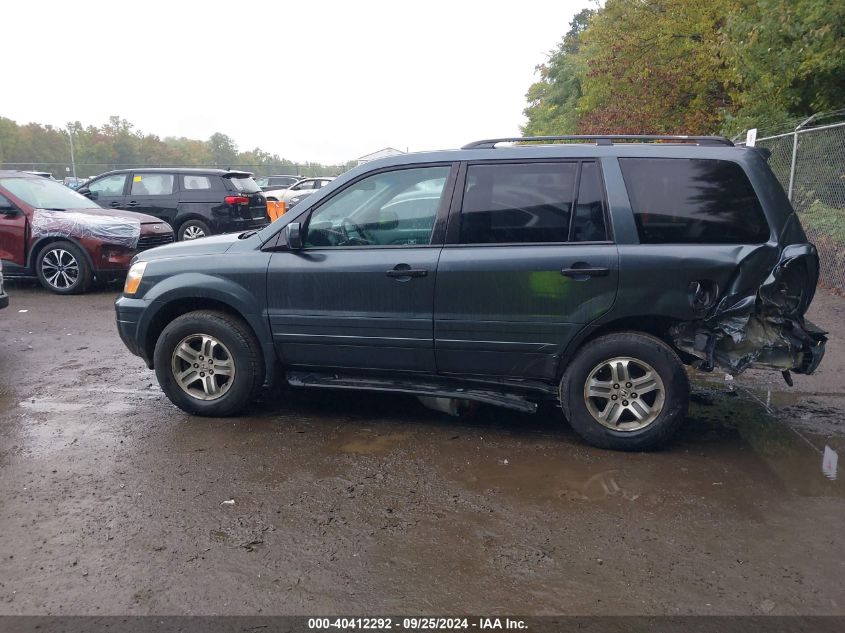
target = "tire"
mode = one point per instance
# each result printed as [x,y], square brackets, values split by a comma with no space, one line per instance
[192,230]
[235,357]
[632,421]
[63,268]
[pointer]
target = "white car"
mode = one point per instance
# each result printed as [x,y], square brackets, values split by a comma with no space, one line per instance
[303,186]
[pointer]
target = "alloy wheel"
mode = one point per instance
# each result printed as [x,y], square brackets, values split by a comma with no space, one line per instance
[624,394]
[202,366]
[60,269]
[192,233]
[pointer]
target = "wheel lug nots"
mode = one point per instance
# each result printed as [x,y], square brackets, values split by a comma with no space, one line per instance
[616,386]
[614,397]
[628,384]
[624,403]
[633,395]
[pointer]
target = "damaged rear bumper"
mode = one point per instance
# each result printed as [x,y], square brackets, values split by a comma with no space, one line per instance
[762,327]
[772,342]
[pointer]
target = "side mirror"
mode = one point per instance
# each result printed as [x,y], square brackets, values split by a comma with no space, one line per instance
[6,207]
[293,235]
[91,195]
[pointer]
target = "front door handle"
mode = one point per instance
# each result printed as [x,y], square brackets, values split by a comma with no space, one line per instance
[133,203]
[403,270]
[585,272]
[115,203]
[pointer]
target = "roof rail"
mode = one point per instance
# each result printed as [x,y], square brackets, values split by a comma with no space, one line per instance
[602,139]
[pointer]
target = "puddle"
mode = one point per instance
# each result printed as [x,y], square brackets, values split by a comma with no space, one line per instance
[369,442]
[57,406]
[731,450]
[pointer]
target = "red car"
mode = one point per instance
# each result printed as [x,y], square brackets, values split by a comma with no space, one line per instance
[50,231]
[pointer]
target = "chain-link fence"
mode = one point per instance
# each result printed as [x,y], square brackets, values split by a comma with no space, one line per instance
[810,164]
[87,170]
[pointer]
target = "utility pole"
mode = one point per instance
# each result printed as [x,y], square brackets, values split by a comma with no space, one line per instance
[72,160]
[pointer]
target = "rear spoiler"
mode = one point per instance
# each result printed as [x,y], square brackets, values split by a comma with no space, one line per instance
[765,152]
[238,174]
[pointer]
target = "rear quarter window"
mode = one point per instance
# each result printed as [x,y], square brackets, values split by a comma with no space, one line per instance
[693,201]
[245,185]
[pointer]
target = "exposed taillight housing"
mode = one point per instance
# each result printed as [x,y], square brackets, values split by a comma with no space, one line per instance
[235,200]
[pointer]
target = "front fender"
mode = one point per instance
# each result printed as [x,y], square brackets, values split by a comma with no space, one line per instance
[246,299]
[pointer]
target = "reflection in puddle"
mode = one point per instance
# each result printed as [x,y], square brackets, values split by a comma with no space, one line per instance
[830,461]
[731,451]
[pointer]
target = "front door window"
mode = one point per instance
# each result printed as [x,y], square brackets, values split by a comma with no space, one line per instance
[395,208]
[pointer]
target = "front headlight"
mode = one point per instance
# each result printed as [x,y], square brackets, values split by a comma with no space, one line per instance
[133,278]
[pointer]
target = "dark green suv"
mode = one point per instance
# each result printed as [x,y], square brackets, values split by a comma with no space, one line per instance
[588,270]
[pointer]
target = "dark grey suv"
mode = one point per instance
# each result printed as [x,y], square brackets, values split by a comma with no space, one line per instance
[589,272]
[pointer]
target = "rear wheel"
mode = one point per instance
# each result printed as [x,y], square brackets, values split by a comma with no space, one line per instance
[63,268]
[209,363]
[625,391]
[192,230]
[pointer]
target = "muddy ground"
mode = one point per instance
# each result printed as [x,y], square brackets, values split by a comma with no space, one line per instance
[113,499]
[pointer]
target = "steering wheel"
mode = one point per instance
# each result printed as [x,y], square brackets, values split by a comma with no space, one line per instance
[346,225]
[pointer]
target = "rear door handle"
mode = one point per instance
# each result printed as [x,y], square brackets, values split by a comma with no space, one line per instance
[585,272]
[407,272]
[115,203]
[133,204]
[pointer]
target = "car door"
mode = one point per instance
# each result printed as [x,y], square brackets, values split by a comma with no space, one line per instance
[154,193]
[12,232]
[528,262]
[359,294]
[108,191]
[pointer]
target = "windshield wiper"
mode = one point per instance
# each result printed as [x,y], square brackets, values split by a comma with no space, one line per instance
[247,234]
[53,208]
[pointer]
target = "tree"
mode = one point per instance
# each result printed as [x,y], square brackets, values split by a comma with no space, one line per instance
[787,59]
[224,151]
[654,66]
[553,101]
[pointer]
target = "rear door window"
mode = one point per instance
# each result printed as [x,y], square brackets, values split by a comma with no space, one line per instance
[518,203]
[152,185]
[589,225]
[693,201]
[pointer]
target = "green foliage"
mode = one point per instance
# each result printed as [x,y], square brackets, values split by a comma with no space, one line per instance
[553,101]
[117,144]
[653,66]
[787,58]
[683,67]
[825,220]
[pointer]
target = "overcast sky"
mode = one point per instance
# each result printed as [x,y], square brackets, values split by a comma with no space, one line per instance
[323,81]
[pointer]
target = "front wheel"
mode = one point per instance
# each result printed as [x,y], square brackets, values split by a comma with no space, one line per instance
[63,268]
[625,391]
[209,363]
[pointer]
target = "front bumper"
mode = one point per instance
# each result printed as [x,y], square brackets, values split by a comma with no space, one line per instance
[128,315]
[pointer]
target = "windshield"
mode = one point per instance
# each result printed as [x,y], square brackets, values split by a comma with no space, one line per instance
[46,194]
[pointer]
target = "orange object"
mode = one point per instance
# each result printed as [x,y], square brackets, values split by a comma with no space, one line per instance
[275,210]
